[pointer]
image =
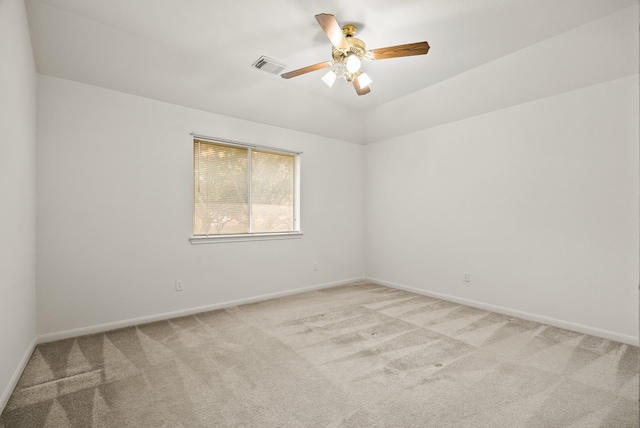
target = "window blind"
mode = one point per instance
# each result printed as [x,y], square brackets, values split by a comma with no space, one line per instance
[242,190]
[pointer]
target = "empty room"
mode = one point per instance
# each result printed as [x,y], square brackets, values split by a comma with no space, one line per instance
[414,213]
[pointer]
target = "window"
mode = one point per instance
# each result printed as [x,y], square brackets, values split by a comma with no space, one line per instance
[243,191]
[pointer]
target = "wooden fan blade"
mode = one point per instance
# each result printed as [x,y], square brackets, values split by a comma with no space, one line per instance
[359,90]
[332,30]
[307,69]
[410,49]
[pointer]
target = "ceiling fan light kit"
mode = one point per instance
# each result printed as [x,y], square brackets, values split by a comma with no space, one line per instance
[352,63]
[348,53]
[330,78]
[364,80]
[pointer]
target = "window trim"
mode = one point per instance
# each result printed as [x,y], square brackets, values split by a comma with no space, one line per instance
[255,236]
[243,145]
[268,236]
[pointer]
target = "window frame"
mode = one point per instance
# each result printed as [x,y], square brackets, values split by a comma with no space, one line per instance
[296,233]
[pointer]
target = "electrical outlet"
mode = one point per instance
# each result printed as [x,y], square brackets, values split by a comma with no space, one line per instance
[179,285]
[466,277]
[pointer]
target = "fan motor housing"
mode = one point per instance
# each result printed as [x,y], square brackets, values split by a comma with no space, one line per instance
[356,46]
[349,30]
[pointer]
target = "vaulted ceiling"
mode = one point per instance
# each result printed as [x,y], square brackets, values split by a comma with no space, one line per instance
[198,53]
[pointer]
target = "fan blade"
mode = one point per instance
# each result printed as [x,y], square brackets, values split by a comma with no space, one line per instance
[420,48]
[359,90]
[332,29]
[305,70]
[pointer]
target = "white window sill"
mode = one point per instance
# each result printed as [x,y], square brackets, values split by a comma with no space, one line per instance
[215,239]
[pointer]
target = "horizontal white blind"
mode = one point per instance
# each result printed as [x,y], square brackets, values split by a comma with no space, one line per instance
[272,191]
[221,189]
[242,190]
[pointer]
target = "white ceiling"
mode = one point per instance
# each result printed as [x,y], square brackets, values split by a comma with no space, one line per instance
[198,53]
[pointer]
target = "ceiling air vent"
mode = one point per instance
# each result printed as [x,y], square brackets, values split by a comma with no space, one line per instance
[269,65]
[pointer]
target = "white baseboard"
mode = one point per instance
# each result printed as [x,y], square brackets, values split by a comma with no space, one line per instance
[6,394]
[50,337]
[592,331]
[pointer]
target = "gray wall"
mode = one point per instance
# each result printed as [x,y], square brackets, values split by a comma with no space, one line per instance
[537,200]
[115,183]
[17,194]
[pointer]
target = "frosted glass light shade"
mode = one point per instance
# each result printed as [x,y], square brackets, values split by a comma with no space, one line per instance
[352,63]
[329,78]
[364,80]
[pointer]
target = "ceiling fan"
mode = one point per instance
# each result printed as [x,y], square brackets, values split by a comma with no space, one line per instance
[348,53]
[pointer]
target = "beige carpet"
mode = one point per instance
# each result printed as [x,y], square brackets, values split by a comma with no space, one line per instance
[352,356]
